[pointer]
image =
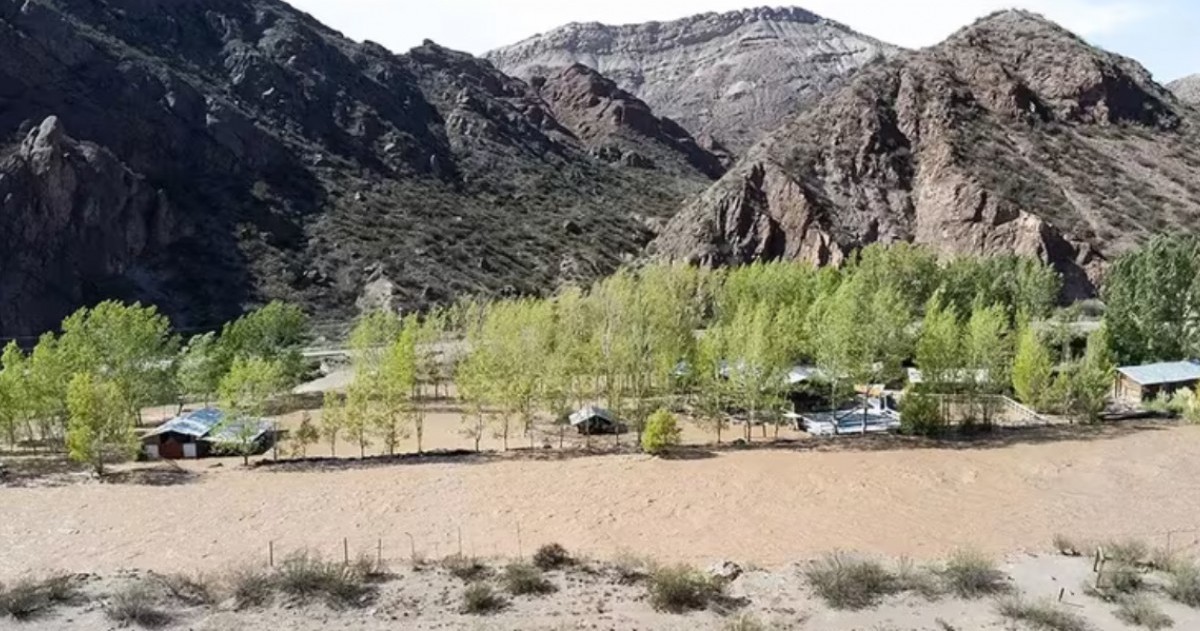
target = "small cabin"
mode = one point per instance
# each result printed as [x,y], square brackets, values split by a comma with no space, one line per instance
[1137,384]
[200,434]
[594,420]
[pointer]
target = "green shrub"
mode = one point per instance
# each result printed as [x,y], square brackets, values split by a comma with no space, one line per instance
[661,434]
[464,568]
[552,557]
[250,587]
[845,582]
[138,605]
[1184,583]
[632,568]
[921,414]
[480,598]
[1141,611]
[521,579]
[680,589]
[969,574]
[1042,615]
[30,598]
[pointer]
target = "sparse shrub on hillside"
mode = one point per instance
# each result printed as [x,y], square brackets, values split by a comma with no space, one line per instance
[745,622]
[522,579]
[922,581]
[1042,615]
[138,605]
[468,569]
[194,591]
[30,598]
[1068,547]
[1127,552]
[632,568]
[970,574]
[1141,611]
[552,556]
[679,589]
[250,587]
[480,598]
[662,433]
[304,576]
[1184,583]
[845,582]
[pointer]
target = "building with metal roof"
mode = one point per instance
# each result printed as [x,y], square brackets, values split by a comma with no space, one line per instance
[595,420]
[195,434]
[1136,384]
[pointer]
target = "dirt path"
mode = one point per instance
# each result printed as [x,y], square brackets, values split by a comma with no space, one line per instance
[769,507]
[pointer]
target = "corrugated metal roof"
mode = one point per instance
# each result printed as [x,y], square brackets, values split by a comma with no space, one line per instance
[232,432]
[196,424]
[1163,373]
[591,412]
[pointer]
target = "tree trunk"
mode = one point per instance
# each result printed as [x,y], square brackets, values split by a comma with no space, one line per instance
[720,422]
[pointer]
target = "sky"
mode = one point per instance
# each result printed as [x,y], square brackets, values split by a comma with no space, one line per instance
[1159,33]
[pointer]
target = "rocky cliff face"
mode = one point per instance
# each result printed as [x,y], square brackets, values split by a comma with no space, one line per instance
[1187,88]
[234,151]
[727,77]
[1012,136]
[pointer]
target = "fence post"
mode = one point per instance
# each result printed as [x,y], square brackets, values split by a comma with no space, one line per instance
[520,554]
[460,550]
[271,553]
[346,549]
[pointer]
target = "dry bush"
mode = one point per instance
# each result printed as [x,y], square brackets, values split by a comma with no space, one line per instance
[1184,583]
[137,604]
[464,568]
[522,579]
[1042,615]
[632,568]
[1127,551]
[844,582]
[30,598]
[1068,546]
[1118,579]
[745,623]
[194,591]
[307,576]
[250,587]
[1141,611]
[480,598]
[371,570]
[911,577]
[969,574]
[680,589]
[552,557]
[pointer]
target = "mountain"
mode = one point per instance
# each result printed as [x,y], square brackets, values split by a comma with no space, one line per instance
[205,155]
[1187,88]
[728,77]
[1012,136]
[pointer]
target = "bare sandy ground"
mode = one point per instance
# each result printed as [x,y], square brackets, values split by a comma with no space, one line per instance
[767,506]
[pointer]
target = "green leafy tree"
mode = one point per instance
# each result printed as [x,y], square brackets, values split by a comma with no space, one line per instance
[921,414]
[129,345]
[1032,371]
[244,394]
[100,426]
[15,397]
[48,375]
[662,433]
[712,397]
[357,421]
[939,348]
[756,368]
[275,333]
[200,368]
[307,434]
[1091,380]
[1151,296]
[333,420]
[398,391]
[988,351]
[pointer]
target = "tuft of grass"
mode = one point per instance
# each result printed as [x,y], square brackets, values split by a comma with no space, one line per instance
[370,569]
[1141,611]
[480,598]
[1162,559]
[679,589]
[552,556]
[138,605]
[30,598]
[744,622]
[522,579]
[1120,578]
[845,582]
[1184,583]
[194,591]
[1127,551]
[970,574]
[305,576]
[250,587]
[632,568]
[911,577]
[1042,615]
[466,569]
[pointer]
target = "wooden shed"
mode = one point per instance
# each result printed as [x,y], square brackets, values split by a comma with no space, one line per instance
[1137,384]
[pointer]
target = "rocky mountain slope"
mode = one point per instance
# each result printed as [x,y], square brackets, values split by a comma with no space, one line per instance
[727,77]
[1187,88]
[207,154]
[1012,135]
